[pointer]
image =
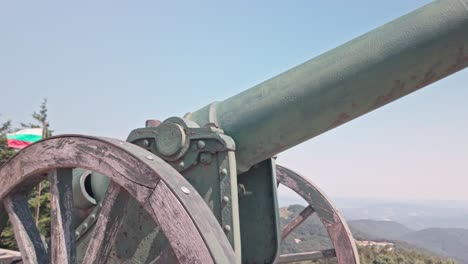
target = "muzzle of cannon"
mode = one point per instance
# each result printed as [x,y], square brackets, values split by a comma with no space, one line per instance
[203,188]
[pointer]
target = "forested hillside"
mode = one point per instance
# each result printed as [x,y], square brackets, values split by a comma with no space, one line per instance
[311,235]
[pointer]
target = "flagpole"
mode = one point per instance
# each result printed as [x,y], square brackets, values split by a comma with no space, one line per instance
[39,186]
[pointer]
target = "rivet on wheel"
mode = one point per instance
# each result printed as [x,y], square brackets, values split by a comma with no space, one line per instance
[85,225]
[227,228]
[77,233]
[185,190]
[150,157]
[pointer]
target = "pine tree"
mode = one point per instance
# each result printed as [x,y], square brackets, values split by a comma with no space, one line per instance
[39,197]
[5,152]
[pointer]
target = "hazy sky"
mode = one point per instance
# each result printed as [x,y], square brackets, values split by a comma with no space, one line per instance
[107,66]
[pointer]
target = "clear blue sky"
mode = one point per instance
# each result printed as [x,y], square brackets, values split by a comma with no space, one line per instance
[107,66]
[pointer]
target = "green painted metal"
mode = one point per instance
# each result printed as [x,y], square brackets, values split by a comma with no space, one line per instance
[258,212]
[344,83]
[224,150]
[206,158]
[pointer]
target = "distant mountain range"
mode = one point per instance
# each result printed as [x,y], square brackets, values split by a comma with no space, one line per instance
[377,230]
[416,215]
[449,242]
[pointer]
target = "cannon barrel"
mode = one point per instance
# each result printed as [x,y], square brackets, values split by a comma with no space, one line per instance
[364,74]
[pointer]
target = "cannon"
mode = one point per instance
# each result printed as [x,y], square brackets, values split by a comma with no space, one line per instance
[202,188]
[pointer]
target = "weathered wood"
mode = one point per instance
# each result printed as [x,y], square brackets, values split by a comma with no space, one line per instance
[27,236]
[107,225]
[111,159]
[188,246]
[303,256]
[296,221]
[166,256]
[203,218]
[61,203]
[9,256]
[138,172]
[334,223]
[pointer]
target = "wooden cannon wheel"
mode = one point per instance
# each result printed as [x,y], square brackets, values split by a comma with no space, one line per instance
[344,247]
[190,227]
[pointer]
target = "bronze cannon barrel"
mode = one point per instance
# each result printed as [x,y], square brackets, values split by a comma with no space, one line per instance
[366,73]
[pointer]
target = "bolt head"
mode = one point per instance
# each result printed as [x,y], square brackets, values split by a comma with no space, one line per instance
[223,172]
[181,164]
[150,157]
[185,190]
[226,199]
[201,144]
[227,228]
[205,158]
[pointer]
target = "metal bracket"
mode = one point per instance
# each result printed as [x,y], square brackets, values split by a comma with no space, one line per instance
[206,158]
[259,214]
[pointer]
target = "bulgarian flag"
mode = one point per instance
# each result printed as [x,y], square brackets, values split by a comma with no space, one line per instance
[24,137]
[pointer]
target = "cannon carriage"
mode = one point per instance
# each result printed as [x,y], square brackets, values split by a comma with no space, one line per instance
[202,188]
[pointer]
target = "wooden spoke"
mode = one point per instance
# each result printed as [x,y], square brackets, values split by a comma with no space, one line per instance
[61,204]
[296,221]
[192,231]
[312,255]
[107,225]
[176,222]
[343,242]
[27,236]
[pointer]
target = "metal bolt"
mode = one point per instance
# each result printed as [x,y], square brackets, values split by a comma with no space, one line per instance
[227,228]
[201,144]
[181,164]
[77,233]
[205,158]
[93,216]
[226,199]
[185,190]
[150,157]
[100,204]
[85,225]
[223,172]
